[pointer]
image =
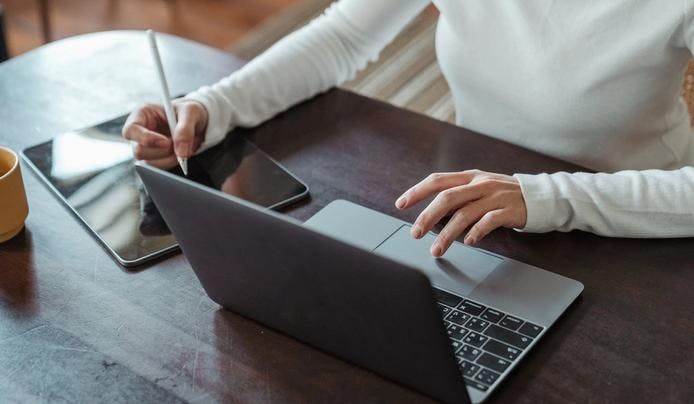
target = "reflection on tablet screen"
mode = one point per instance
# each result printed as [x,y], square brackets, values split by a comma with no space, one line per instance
[92,170]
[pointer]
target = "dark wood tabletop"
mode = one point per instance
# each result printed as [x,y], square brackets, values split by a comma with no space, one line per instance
[75,326]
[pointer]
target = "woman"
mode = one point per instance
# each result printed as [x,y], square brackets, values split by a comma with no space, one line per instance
[592,82]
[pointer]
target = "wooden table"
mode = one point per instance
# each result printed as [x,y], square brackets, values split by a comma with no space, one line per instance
[75,326]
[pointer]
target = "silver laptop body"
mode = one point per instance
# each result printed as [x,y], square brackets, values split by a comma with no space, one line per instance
[351,281]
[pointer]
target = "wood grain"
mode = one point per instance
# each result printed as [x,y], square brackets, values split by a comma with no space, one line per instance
[75,326]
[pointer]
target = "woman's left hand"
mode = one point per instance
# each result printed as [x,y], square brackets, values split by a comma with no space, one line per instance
[474,198]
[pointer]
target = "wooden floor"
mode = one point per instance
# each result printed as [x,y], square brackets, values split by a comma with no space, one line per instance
[214,22]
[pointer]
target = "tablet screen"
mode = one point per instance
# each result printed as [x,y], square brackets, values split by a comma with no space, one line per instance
[92,170]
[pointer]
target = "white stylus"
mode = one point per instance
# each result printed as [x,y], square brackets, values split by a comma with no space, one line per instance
[166,97]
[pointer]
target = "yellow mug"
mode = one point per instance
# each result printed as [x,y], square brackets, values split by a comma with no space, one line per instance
[13,200]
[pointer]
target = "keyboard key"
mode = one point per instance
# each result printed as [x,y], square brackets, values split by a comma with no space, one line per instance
[444,309]
[501,349]
[476,324]
[487,376]
[447,298]
[508,336]
[479,386]
[456,332]
[469,352]
[492,315]
[456,345]
[458,317]
[530,329]
[492,362]
[475,339]
[468,368]
[511,322]
[471,307]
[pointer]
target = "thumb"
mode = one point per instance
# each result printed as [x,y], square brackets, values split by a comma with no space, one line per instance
[184,134]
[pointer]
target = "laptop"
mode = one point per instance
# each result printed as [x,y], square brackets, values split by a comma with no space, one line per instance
[351,281]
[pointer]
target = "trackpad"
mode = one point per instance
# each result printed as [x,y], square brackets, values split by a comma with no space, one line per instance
[460,270]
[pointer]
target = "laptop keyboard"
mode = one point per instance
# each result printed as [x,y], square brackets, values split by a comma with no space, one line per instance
[486,341]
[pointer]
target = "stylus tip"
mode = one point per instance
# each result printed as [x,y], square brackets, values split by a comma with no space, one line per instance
[183,162]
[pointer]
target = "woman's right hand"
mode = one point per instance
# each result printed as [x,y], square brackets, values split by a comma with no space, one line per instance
[148,129]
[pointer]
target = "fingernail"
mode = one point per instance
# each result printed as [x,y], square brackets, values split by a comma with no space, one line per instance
[416,232]
[469,240]
[400,203]
[182,148]
[436,250]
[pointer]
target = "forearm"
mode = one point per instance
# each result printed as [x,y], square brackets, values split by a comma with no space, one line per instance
[325,53]
[650,203]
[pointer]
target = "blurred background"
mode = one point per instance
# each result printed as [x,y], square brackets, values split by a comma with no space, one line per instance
[406,75]
[218,23]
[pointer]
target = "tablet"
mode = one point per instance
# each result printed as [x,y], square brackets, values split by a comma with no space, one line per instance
[92,172]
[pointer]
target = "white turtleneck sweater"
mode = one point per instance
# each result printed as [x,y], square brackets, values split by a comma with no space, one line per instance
[593,82]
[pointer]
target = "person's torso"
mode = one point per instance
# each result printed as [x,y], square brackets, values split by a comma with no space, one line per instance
[589,81]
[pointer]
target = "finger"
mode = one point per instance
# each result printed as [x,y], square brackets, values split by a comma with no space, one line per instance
[165,163]
[137,117]
[436,182]
[445,202]
[460,221]
[490,221]
[184,134]
[145,137]
[151,153]
[149,116]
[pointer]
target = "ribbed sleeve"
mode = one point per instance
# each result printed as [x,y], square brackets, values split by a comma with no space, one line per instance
[325,53]
[648,203]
